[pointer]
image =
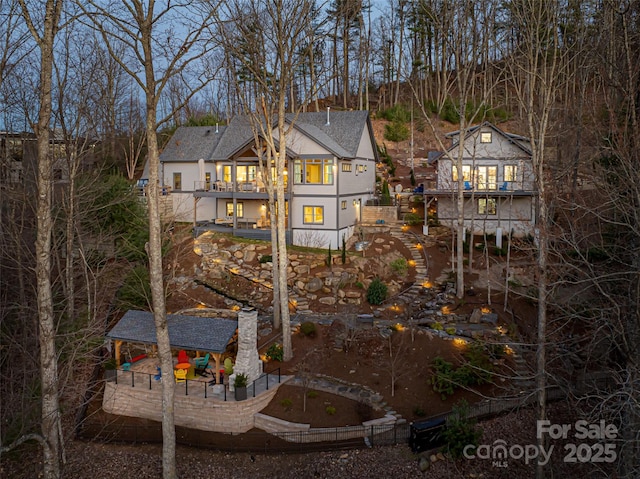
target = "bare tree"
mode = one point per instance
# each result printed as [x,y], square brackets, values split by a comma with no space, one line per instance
[397,344]
[263,40]
[157,58]
[45,36]
[534,69]
[305,371]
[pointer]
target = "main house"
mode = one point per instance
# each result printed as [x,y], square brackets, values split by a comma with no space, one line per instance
[214,177]
[498,182]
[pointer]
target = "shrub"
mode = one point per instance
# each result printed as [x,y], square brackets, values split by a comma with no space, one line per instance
[266,258]
[330,410]
[496,351]
[419,411]
[343,253]
[437,326]
[442,378]
[359,284]
[396,131]
[450,331]
[412,219]
[312,394]
[397,112]
[228,367]
[377,292]
[286,403]
[308,329]
[241,380]
[460,431]
[275,352]
[399,266]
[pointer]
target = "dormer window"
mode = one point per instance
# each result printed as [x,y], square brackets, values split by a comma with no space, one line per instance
[485,137]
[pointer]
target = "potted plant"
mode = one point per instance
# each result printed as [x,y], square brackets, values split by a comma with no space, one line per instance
[240,386]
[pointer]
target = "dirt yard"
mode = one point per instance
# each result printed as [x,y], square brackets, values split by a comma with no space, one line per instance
[357,355]
[368,363]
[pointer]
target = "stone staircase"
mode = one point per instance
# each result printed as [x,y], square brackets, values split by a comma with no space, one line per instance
[416,245]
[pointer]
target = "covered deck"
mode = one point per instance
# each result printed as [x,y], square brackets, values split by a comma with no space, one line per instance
[188,333]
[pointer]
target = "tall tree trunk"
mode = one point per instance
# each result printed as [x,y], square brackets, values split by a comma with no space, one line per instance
[154,252]
[51,424]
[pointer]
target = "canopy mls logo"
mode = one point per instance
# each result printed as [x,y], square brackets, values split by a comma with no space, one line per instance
[499,453]
[601,449]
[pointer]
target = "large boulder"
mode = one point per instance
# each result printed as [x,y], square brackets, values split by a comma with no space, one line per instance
[314,284]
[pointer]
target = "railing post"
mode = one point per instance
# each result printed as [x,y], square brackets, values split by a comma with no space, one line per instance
[186,387]
[205,390]
[133,380]
[149,382]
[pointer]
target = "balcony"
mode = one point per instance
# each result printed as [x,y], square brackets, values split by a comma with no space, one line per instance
[231,187]
[509,188]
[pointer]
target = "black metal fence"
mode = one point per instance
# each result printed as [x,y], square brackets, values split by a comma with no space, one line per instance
[354,437]
[189,387]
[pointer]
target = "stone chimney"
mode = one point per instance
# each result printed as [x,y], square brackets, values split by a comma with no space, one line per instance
[248,360]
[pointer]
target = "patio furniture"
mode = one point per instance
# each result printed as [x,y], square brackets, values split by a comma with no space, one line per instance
[182,356]
[467,185]
[504,186]
[184,366]
[158,377]
[180,375]
[202,364]
[126,367]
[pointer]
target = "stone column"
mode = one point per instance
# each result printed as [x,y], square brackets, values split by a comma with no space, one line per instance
[248,359]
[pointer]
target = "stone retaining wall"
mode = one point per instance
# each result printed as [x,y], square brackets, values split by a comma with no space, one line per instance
[190,411]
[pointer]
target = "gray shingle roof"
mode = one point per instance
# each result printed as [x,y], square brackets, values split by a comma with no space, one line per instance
[341,136]
[185,332]
[237,135]
[192,143]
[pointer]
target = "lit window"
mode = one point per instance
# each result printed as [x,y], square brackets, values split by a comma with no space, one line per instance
[177,181]
[486,206]
[486,177]
[239,209]
[313,214]
[226,173]
[313,171]
[466,173]
[346,167]
[485,137]
[343,205]
[246,173]
[207,181]
[510,173]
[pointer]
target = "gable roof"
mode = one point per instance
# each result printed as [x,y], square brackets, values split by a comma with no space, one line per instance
[514,139]
[185,332]
[341,136]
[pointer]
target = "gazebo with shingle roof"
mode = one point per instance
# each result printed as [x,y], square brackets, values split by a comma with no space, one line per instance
[193,333]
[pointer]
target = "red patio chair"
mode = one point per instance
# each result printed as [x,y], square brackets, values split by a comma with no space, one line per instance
[182,356]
